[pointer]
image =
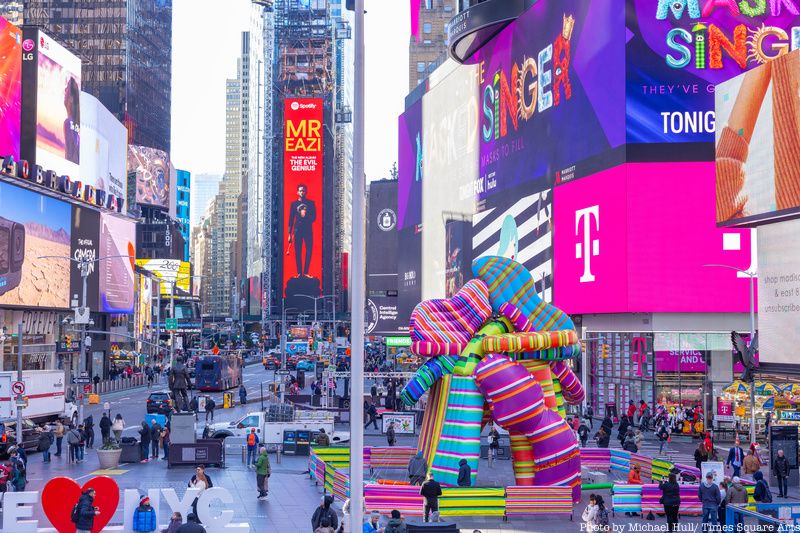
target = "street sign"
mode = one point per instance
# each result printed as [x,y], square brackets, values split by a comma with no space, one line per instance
[87,388]
[282,372]
[84,374]
[18,387]
[82,380]
[398,341]
[171,324]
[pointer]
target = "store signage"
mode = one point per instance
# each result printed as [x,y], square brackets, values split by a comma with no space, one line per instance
[398,341]
[724,410]
[789,415]
[50,179]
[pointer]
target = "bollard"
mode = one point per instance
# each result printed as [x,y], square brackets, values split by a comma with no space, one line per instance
[244,454]
[278,454]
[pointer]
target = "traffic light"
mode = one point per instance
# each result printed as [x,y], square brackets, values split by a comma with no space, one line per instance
[604,349]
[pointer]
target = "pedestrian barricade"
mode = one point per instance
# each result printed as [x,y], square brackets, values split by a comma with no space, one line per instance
[472,501]
[552,501]
[620,461]
[596,458]
[626,498]
[391,457]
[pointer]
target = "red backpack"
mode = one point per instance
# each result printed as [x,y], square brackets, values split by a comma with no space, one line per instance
[251,439]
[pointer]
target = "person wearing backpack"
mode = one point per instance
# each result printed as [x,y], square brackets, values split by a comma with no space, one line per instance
[761,493]
[494,445]
[583,434]
[144,517]
[602,522]
[84,512]
[396,523]
[252,448]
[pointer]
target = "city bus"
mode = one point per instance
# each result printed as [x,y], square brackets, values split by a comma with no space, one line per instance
[218,372]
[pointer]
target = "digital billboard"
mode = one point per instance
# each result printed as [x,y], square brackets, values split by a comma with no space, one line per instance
[302,200]
[254,296]
[51,104]
[153,179]
[34,226]
[409,167]
[104,147]
[10,88]
[117,238]
[169,271]
[758,155]
[381,316]
[85,245]
[626,242]
[552,96]
[677,51]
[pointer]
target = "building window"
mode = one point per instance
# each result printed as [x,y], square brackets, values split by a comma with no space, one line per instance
[427,28]
[421,66]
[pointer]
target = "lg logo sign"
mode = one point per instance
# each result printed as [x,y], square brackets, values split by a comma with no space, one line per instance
[588,247]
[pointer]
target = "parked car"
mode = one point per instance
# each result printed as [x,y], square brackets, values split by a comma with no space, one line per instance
[271,362]
[306,365]
[159,403]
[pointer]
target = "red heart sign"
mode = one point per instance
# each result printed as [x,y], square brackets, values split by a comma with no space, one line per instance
[61,494]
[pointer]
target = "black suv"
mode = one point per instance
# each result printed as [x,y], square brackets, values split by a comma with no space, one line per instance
[159,403]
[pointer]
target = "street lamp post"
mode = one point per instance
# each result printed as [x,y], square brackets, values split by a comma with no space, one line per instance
[283,339]
[316,298]
[752,276]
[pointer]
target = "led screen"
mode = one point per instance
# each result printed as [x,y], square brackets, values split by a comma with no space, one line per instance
[170,271]
[118,245]
[153,179]
[104,145]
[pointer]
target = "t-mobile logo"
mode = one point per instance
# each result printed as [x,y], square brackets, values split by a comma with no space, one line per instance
[582,249]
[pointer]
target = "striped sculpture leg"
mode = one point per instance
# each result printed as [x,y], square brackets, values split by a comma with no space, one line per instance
[521,459]
[518,405]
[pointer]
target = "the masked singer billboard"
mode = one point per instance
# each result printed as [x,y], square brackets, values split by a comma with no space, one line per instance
[551,96]
[10,87]
[677,51]
[302,200]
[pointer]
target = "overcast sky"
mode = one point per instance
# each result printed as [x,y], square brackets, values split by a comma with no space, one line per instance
[205,45]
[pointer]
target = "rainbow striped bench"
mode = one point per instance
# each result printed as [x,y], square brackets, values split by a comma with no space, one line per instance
[539,501]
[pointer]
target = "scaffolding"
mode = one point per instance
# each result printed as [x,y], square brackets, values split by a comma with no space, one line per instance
[304,33]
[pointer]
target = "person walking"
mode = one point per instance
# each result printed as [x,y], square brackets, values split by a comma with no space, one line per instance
[155,439]
[622,432]
[710,498]
[324,511]
[735,458]
[194,405]
[583,434]
[118,426]
[662,435]
[45,440]
[431,490]
[252,448]
[144,517]
[84,512]
[74,442]
[723,504]
[751,463]
[373,416]
[144,442]
[737,494]
[700,454]
[417,468]
[242,394]
[767,424]
[263,471]
[464,474]
[373,392]
[165,441]
[390,435]
[590,416]
[671,500]
[105,428]
[19,472]
[58,432]
[781,467]
[494,444]
[88,430]
[607,424]
[210,405]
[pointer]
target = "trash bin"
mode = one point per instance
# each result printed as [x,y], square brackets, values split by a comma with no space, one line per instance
[290,442]
[130,450]
[303,447]
[227,400]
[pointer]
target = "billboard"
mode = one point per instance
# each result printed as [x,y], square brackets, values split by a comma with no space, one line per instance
[169,271]
[459,255]
[51,105]
[758,161]
[302,200]
[117,238]
[153,176]
[10,88]
[677,52]
[104,146]
[85,245]
[382,297]
[144,306]
[779,291]
[409,266]
[33,226]
[409,167]
[254,296]
[628,241]
[551,96]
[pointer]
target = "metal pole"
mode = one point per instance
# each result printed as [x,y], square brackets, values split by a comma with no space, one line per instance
[358,285]
[19,378]
[283,342]
[158,317]
[753,384]
[82,358]
[172,331]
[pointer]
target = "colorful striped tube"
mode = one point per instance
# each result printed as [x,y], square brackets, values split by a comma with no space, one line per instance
[529,341]
[453,320]
[521,459]
[559,350]
[544,376]
[433,349]
[461,431]
[474,352]
[426,375]
[571,388]
[518,405]
[434,418]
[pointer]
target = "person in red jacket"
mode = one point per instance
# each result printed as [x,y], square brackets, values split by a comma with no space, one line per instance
[631,409]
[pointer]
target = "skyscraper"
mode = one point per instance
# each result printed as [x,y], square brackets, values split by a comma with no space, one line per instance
[204,188]
[182,208]
[430,51]
[12,11]
[126,48]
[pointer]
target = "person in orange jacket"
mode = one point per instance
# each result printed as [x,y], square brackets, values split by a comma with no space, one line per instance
[634,478]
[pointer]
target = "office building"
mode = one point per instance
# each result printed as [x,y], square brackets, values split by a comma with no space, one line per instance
[204,188]
[11,10]
[429,50]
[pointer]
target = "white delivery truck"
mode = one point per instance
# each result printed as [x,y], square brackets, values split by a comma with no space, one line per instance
[44,391]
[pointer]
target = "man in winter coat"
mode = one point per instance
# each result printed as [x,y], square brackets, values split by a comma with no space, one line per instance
[417,468]
[105,428]
[431,490]
[780,467]
[74,442]
[390,435]
[464,474]
[192,525]
[736,494]
[144,441]
[710,498]
[210,405]
[155,437]
[751,463]
[88,430]
[396,523]
[59,434]
[263,471]
[325,511]
[45,440]
[84,513]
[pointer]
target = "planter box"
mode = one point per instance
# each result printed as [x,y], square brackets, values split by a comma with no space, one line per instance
[109,459]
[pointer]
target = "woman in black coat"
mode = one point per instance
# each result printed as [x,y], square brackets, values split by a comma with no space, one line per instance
[623,428]
[671,500]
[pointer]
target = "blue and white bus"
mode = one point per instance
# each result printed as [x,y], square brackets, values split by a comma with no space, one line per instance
[218,372]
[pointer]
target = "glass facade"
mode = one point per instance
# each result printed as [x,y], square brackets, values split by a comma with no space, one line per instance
[182,211]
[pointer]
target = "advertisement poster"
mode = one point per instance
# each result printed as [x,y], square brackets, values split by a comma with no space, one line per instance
[677,52]
[152,175]
[85,245]
[58,109]
[302,203]
[681,361]
[715,468]
[409,264]
[117,238]
[409,167]
[10,88]
[551,96]
[104,145]
[33,226]
[253,295]
[170,271]
[144,311]
[724,410]
[459,255]
[296,348]
[404,423]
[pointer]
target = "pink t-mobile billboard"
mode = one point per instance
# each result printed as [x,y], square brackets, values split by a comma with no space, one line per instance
[636,237]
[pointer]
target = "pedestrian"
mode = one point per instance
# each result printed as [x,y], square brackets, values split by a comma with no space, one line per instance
[118,426]
[781,467]
[58,432]
[767,423]
[263,471]
[602,438]
[19,472]
[242,394]
[165,441]
[144,517]
[194,406]
[81,443]
[607,424]
[252,448]
[150,376]
[88,429]
[629,443]
[192,525]
[105,428]
[590,416]
[431,490]
[155,439]
[761,493]
[710,498]
[210,405]
[737,494]
[373,416]
[634,478]
[494,444]
[751,463]
[735,458]
[663,435]
[589,515]
[622,433]
[396,523]
[464,474]
[324,511]
[631,411]
[84,512]
[96,380]
[73,441]
[199,481]
[371,526]
[322,438]
[5,476]
[638,439]
[723,504]
[583,434]
[417,468]
[324,526]
[700,454]
[144,442]
[671,500]
[373,392]
[602,514]
[174,523]
[44,443]
[390,435]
